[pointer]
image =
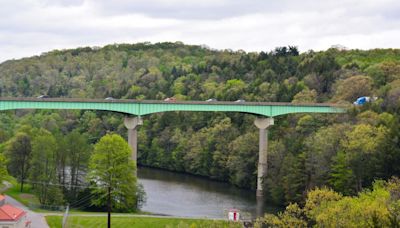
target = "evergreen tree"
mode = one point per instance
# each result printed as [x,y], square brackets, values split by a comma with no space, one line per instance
[341,176]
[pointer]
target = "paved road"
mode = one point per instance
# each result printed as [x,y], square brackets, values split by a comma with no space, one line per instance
[37,219]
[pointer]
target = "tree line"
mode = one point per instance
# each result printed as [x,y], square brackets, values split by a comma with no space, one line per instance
[376,207]
[63,167]
[345,152]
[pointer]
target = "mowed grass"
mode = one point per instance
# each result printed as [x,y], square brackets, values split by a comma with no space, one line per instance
[25,197]
[140,222]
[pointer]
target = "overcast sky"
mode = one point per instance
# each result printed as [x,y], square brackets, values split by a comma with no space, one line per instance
[29,27]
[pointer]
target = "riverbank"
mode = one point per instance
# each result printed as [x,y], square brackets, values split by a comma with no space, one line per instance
[42,218]
[186,195]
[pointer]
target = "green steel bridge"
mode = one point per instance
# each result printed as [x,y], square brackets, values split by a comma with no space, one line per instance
[145,107]
[264,110]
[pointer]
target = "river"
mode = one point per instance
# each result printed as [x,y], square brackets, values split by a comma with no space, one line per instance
[177,194]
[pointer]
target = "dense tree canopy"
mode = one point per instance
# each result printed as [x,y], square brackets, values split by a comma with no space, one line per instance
[346,152]
[379,207]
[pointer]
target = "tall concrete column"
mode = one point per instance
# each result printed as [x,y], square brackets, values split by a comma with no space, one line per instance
[262,124]
[131,123]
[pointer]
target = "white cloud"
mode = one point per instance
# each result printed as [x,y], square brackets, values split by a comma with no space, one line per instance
[31,27]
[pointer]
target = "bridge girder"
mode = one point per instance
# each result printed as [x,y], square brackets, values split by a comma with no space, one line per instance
[141,108]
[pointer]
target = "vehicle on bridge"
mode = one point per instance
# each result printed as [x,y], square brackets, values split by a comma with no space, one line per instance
[265,111]
[170,99]
[363,100]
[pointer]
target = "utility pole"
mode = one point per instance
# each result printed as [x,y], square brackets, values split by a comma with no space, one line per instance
[109,207]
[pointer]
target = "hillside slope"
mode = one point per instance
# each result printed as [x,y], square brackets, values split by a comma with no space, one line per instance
[305,150]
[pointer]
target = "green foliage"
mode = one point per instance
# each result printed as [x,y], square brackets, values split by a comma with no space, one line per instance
[394,206]
[318,69]
[3,168]
[292,217]
[277,153]
[326,208]
[294,179]
[320,150]
[364,59]
[345,152]
[388,164]
[305,96]
[110,169]
[6,127]
[140,222]
[18,153]
[384,72]
[233,89]
[369,209]
[318,198]
[352,88]
[74,157]
[360,146]
[26,197]
[341,176]
[43,172]
[242,170]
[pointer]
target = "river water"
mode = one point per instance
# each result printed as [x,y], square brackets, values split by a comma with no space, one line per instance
[185,195]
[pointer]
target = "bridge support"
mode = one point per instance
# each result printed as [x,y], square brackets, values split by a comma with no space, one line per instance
[131,123]
[262,124]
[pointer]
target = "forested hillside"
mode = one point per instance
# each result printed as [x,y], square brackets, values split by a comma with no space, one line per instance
[346,152]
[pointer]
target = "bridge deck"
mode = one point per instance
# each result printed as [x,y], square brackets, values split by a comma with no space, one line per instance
[144,107]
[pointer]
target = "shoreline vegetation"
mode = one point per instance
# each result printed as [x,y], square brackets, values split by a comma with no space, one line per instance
[50,152]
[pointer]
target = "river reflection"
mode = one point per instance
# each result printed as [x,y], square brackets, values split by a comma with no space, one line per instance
[186,195]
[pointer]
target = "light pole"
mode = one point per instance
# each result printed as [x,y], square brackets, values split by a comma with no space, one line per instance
[109,207]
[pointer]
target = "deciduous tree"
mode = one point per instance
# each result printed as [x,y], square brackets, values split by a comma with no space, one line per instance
[18,152]
[110,167]
[43,173]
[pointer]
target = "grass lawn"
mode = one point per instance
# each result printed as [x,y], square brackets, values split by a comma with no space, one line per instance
[92,213]
[140,222]
[25,197]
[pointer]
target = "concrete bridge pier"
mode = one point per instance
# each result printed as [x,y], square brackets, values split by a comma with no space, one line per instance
[262,124]
[132,123]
